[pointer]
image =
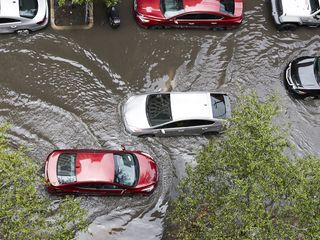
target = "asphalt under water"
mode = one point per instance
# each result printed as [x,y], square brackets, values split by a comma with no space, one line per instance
[63,89]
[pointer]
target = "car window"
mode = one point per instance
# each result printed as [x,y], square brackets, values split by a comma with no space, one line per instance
[188,16]
[209,17]
[28,8]
[314,5]
[187,123]
[199,17]
[218,106]
[317,69]
[227,6]
[66,168]
[171,5]
[98,186]
[126,169]
[8,20]
[158,109]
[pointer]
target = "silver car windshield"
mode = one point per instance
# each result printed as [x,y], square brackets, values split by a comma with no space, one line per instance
[218,106]
[126,169]
[317,69]
[314,4]
[28,8]
[158,109]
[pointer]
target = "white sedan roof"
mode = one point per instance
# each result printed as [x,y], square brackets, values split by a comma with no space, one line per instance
[191,105]
[9,8]
[296,7]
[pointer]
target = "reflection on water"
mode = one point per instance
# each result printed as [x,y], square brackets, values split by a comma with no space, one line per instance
[64,90]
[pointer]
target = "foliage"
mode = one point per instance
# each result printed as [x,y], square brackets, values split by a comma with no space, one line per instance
[245,187]
[26,212]
[77,2]
[108,3]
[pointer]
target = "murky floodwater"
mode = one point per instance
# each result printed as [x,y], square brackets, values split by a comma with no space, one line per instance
[63,90]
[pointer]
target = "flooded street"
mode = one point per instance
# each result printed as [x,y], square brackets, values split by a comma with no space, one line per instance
[64,89]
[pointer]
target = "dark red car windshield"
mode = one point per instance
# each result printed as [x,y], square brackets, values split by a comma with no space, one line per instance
[171,5]
[126,169]
[227,6]
[66,168]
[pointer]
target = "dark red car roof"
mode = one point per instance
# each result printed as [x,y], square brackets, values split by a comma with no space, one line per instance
[152,8]
[95,166]
[202,5]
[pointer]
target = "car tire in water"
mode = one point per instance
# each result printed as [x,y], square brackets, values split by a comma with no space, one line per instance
[219,28]
[23,32]
[154,27]
[146,135]
[287,27]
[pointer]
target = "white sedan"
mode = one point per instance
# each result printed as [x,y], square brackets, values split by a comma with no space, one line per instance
[23,16]
[176,113]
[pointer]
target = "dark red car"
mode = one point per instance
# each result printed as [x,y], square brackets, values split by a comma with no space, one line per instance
[188,13]
[100,172]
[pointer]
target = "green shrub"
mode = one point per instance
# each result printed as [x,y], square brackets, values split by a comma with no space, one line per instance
[26,212]
[108,3]
[245,187]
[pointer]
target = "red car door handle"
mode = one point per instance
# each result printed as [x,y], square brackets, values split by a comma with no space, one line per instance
[213,23]
[191,23]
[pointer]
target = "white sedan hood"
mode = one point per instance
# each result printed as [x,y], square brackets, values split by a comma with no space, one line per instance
[134,113]
[296,7]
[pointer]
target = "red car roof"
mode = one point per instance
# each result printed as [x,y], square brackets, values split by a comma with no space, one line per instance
[90,166]
[95,167]
[202,5]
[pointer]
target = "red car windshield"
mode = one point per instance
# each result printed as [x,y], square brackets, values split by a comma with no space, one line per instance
[227,6]
[126,169]
[171,5]
[66,168]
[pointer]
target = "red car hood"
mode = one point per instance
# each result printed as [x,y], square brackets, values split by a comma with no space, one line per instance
[148,171]
[149,8]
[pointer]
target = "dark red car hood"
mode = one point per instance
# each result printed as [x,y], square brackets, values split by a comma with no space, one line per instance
[148,171]
[149,8]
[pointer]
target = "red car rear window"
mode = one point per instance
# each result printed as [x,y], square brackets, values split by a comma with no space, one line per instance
[66,168]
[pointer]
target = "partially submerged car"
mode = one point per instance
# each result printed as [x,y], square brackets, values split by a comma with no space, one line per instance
[102,172]
[176,113]
[288,14]
[23,16]
[302,76]
[188,13]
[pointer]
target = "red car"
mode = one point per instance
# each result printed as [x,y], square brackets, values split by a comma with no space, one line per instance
[188,13]
[100,172]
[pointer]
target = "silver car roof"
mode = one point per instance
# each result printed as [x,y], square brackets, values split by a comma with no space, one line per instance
[191,105]
[9,8]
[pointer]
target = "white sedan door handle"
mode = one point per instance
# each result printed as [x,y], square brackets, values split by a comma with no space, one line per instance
[204,128]
[14,26]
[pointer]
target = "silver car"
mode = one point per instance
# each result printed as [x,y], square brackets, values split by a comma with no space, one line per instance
[176,113]
[289,14]
[23,16]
